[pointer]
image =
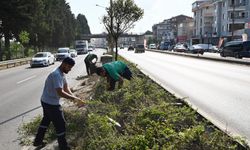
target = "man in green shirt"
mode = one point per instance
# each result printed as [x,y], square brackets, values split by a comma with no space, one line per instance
[114,71]
[89,64]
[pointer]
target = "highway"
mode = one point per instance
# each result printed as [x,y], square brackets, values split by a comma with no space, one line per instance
[219,91]
[21,88]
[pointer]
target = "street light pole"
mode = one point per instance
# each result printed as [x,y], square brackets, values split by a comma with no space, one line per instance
[1,41]
[111,30]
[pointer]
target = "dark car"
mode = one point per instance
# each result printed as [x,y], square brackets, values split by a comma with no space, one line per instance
[130,48]
[200,48]
[140,48]
[237,49]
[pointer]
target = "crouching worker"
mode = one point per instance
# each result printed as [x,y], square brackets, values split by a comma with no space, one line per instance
[55,87]
[90,65]
[114,71]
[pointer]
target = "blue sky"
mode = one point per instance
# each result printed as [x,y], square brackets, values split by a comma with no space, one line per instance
[155,11]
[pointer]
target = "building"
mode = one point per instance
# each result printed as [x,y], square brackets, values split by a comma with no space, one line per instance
[232,17]
[203,20]
[175,29]
[185,30]
[163,31]
[221,18]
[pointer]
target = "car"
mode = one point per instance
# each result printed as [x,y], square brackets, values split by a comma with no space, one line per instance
[198,48]
[42,59]
[73,53]
[165,46]
[180,48]
[130,48]
[62,53]
[140,48]
[237,49]
[152,46]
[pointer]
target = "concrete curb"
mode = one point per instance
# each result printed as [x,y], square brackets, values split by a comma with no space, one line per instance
[198,56]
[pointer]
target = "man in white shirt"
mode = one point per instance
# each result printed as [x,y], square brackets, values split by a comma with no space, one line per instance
[55,87]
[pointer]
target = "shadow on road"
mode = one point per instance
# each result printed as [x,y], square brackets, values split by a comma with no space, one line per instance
[3,122]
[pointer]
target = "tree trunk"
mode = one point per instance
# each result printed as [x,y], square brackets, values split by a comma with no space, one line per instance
[7,44]
[1,51]
[116,48]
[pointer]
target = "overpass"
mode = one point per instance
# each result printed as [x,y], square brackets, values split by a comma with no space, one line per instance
[89,36]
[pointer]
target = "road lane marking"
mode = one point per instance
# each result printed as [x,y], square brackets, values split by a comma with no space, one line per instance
[25,79]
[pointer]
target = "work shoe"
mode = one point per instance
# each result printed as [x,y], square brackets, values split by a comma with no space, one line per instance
[64,148]
[39,144]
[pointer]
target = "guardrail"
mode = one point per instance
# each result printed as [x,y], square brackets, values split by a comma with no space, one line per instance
[14,63]
[199,56]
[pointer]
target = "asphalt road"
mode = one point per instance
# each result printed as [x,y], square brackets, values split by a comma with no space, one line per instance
[21,88]
[219,91]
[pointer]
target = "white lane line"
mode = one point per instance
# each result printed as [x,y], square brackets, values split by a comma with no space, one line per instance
[25,79]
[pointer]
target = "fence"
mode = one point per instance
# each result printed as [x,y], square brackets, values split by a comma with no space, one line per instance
[13,63]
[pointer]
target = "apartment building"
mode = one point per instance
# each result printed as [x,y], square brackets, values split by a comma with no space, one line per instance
[175,29]
[203,19]
[163,31]
[185,29]
[221,18]
[234,17]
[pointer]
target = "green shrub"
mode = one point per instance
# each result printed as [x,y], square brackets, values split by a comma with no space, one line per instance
[148,117]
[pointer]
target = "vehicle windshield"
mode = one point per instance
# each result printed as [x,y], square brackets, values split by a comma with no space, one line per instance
[40,55]
[140,46]
[63,51]
[80,46]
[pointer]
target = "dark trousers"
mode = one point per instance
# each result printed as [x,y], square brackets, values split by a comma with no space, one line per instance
[87,64]
[54,114]
[127,74]
[90,67]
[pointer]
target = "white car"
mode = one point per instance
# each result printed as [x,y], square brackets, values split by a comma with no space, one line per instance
[62,53]
[73,53]
[152,46]
[42,59]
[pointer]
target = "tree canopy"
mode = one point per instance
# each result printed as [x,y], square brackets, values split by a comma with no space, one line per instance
[50,23]
[120,18]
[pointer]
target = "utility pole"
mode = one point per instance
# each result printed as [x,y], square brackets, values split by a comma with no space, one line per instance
[111,29]
[232,28]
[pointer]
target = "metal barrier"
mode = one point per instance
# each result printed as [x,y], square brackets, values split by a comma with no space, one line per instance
[13,63]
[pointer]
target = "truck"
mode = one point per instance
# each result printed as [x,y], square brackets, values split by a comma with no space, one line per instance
[81,46]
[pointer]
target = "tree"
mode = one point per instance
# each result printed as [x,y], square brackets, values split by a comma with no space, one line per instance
[148,32]
[82,26]
[122,14]
[24,39]
[50,23]
[15,15]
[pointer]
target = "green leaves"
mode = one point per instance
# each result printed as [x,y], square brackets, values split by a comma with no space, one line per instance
[24,37]
[144,116]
